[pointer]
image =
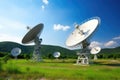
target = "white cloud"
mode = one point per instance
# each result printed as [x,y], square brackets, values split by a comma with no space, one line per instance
[45,1]
[110,44]
[117,38]
[10,24]
[95,44]
[114,42]
[10,37]
[11,30]
[43,7]
[58,27]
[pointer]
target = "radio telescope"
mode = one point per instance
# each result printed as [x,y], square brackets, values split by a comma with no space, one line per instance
[56,54]
[15,52]
[80,36]
[95,51]
[33,36]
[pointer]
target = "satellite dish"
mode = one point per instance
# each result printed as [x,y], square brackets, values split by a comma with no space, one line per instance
[33,36]
[15,52]
[82,32]
[80,37]
[95,51]
[56,54]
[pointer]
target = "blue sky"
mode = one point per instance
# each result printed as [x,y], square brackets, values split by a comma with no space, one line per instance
[59,17]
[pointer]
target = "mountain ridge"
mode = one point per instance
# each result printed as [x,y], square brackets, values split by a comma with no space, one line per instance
[48,50]
[45,49]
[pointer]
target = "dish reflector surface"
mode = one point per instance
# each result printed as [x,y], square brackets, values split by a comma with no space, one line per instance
[82,32]
[56,54]
[95,50]
[33,33]
[15,51]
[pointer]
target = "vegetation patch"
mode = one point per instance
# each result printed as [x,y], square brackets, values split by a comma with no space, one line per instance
[57,70]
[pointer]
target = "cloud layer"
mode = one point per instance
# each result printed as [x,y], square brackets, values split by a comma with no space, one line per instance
[117,38]
[10,30]
[114,42]
[11,24]
[110,44]
[43,7]
[95,44]
[58,27]
[45,2]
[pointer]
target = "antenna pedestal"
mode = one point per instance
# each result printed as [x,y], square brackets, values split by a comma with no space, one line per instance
[95,56]
[83,56]
[82,59]
[36,52]
[15,57]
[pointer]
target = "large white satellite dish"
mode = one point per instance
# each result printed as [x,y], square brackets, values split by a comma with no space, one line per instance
[95,51]
[33,36]
[82,32]
[15,52]
[80,37]
[56,54]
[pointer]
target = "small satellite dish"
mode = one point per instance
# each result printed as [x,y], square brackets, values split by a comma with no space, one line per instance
[15,52]
[33,36]
[80,37]
[56,54]
[95,51]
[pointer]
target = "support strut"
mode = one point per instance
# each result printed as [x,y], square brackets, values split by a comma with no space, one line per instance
[36,52]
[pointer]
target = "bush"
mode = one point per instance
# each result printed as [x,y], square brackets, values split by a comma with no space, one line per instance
[0,66]
[11,68]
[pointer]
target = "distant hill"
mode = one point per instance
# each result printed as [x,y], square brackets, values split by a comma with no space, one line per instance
[48,50]
[8,46]
[111,50]
[110,53]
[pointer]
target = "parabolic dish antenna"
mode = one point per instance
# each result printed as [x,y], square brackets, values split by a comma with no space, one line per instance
[56,54]
[33,36]
[15,52]
[82,32]
[80,37]
[95,51]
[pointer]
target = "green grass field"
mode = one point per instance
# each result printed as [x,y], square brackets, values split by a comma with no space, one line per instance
[59,70]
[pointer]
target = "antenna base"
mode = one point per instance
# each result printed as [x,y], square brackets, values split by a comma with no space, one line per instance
[36,53]
[82,59]
[95,56]
[83,56]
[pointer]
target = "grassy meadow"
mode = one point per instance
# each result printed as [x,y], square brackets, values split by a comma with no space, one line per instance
[21,69]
